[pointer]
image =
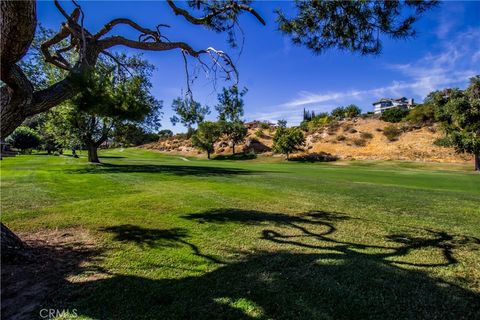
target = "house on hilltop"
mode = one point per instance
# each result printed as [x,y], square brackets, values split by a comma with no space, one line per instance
[388,103]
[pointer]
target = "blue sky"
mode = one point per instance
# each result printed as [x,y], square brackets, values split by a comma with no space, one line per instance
[283,78]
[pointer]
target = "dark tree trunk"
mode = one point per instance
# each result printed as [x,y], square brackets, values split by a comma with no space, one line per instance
[233,148]
[11,244]
[92,153]
[208,155]
[476,159]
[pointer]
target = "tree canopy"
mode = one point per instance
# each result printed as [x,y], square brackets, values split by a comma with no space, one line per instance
[459,112]
[319,25]
[230,104]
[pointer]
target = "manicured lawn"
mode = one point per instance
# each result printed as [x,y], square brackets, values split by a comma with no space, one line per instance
[259,239]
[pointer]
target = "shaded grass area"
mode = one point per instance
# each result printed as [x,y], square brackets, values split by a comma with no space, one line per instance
[257,239]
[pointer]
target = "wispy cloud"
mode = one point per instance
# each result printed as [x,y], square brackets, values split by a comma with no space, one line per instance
[456,62]
[446,22]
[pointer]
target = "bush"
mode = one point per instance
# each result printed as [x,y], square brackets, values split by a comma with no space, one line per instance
[360,142]
[443,142]
[338,113]
[315,157]
[259,133]
[366,135]
[264,125]
[24,138]
[394,115]
[318,122]
[422,115]
[352,130]
[352,111]
[341,138]
[392,133]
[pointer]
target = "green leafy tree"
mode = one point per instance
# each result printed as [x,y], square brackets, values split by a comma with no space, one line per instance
[459,113]
[288,140]
[355,26]
[281,124]
[112,97]
[230,104]
[338,113]
[188,112]
[423,114]
[132,134]
[165,134]
[234,131]
[24,138]
[352,111]
[394,115]
[206,135]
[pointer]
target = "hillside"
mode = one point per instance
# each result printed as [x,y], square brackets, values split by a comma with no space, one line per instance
[349,139]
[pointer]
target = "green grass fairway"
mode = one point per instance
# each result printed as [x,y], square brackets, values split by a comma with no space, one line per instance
[189,238]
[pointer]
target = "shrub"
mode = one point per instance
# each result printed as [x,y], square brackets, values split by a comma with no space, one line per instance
[352,130]
[338,113]
[341,138]
[264,125]
[392,132]
[394,115]
[303,126]
[315,157]
[443,142]
[24,138]
[333,126]
[318,122]
[366,135]
[422,115]
[359,142]
[352,111]
[259,133]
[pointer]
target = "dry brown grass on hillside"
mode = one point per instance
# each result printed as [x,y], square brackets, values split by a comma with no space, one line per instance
[350,139]
[416,145]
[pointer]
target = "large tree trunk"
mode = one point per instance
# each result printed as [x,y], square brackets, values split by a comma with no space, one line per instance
[92,149]
[11,244]
[18,21]
[17,26]
[476,159]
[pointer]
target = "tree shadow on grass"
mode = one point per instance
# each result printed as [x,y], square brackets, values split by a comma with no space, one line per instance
[236,156]
[178,170]
[307,274]
[155,238]
[331,279]
[41,268]
[112,157]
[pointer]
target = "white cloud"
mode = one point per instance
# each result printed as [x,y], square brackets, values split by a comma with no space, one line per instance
[453,66]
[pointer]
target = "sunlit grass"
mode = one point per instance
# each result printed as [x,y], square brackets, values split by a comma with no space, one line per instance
[258,238]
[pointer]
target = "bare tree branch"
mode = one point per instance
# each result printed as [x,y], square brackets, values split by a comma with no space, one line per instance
[236,7]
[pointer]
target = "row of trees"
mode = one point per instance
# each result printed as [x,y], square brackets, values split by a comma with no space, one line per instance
[229,123]
[312,121]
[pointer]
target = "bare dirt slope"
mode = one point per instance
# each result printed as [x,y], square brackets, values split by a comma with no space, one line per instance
[349,139]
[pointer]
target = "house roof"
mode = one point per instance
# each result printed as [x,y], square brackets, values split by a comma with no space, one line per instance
[402,99]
